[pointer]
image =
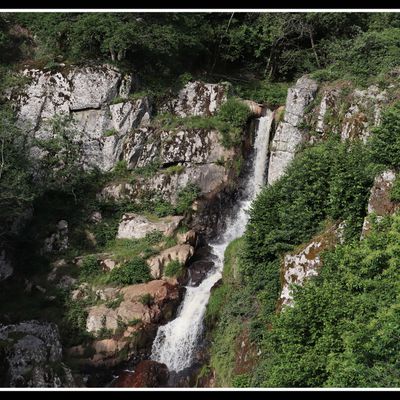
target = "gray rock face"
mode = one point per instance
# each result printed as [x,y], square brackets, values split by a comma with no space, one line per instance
[302,265]
[85,95]
[352,113]
[134,226]
[33,355]
[6,269]
[199,153]
[197,98]
[58,241]
[379,202]
[288,133]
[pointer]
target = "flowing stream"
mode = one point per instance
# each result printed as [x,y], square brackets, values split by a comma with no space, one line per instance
[176,342]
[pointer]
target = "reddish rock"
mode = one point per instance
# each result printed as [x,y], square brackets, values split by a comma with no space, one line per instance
[148,373]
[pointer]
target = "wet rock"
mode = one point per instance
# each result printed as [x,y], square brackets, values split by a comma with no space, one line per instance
[134,226]
[198,270]
[147,373]
[32,354]
[189,237]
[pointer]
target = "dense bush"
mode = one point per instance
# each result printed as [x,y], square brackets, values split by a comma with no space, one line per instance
[174,269]
[385,140]
[341,332]
[186,197]
[90,267]
[134,271]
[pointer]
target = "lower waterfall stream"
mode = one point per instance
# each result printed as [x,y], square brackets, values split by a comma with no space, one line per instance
[176,341]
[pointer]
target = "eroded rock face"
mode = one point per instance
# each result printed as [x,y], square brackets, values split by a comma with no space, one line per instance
[198,98]
[32,352]
[288,134]
[379,202]
[306,262]
[180,252]
[350,112]
[132,308]
[135,226]
[84,94]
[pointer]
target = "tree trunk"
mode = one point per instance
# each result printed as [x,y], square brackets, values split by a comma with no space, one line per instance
[313,48]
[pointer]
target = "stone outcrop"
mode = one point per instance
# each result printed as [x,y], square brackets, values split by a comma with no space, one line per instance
[58,241]
[197,98]
[6,268]
[180,253]
[135,226]
[350,112]
[31,356]
[96,100]
[289,134]
[379,202]
[306,262]
[129,318]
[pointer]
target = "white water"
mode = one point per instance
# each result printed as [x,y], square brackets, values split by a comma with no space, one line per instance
[176,341]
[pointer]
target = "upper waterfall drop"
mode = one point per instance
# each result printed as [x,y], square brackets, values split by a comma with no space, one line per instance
[176,341]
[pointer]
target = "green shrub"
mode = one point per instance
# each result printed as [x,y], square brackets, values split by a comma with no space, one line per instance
[266,92]
[110,132]
[146,299]
[90,267]
[232,117]
[174,269]
[134,271]
[384,142]
[174,169]
[121,170]
[186,197]
[395,191]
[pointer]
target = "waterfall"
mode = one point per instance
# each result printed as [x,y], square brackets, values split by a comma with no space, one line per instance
[175,343]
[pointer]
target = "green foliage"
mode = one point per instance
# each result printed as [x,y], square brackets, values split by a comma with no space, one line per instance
[16,187]
[110,132]
[232,117]
[174,269]
[115,303]
[120,169]
[395,191]
[186,197]
[134,271]
[340,333]
[146,299]
[90,267]
[266,92]
[174,169]
[385,139]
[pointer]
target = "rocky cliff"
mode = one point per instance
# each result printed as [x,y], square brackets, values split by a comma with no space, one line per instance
[112,127]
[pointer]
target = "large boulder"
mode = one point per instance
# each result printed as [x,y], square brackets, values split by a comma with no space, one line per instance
[132,307]
[135,226]
[31,356]
[288,134]
[197,98]
[379,202]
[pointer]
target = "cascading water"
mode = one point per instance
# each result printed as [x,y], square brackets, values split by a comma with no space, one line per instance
[176,341]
